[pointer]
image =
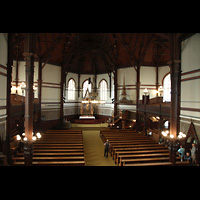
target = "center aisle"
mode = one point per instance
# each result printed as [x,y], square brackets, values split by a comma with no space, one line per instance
[94,149]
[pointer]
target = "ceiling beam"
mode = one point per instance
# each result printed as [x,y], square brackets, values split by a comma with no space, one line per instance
[131,53]
[149,38]
[163,35]
[46,55]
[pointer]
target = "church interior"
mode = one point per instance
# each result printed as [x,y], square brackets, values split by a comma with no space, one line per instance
[64,95]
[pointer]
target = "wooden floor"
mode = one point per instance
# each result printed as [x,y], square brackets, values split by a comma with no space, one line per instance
[94,149]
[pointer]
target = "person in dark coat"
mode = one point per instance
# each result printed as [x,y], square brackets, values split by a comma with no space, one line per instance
[188,158]
[106,148]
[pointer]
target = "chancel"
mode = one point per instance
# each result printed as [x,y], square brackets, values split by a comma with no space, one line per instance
[63,95]
[88,105]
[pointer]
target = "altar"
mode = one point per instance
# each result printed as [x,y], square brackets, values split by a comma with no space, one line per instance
[88,105]
[86,117]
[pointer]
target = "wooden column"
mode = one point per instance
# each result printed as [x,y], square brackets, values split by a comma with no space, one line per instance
[110,83]
[137,96]
[61,94]
[157,83]
[79,85]
[175,70]
[30,41]
[95,82]
[115,92]
[39,91]
[138,85]
[17,72]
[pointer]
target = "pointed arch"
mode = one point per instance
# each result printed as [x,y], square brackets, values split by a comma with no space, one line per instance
[167,88]
[103,87]
[71,89]
[86,86]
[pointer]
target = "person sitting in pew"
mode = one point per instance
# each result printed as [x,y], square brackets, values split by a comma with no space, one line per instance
[161,141]
[188,158]
[166,143]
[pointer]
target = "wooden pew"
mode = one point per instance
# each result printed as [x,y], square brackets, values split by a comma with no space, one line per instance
[142,157]
[55,163]
[51,158]
[149,164]
[105,135]
[138,151]
[134,148]
[57,148]
[114,144]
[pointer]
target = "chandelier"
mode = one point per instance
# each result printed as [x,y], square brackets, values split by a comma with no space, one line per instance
[22,137]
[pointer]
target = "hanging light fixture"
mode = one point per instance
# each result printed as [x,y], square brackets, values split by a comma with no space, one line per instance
[146,92]
[167,134]
[22,137]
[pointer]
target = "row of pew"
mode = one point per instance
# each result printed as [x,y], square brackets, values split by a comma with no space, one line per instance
[129,148]
[56,148]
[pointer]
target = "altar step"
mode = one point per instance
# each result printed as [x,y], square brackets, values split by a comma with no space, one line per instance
[89,121]
[89,125]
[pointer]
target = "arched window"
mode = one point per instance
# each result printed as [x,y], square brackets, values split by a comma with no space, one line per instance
[103,90]
[86,86]
[167,88]
[71,89]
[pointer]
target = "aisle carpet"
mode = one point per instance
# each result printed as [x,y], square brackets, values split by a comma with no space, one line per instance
[74,125]
[94,149]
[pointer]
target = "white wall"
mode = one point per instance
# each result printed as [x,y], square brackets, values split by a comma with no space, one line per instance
[147,78]
[148,81]
[190,52]
[3,84]
[22,77]
[74,76]
[3,72]
[3,48]
[106,77]
[51,90]
[130,82]
[190,84]
[162,71]
[51,80]
[73,107]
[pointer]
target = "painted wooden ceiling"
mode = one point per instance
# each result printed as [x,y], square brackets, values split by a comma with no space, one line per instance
[96,53]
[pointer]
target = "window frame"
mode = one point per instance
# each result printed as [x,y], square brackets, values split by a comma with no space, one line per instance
[71,91]
[85,89]
[103,96]
[167,90]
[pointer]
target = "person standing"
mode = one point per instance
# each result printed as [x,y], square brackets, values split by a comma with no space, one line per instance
[182,152]
[193,154]
[106,148]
